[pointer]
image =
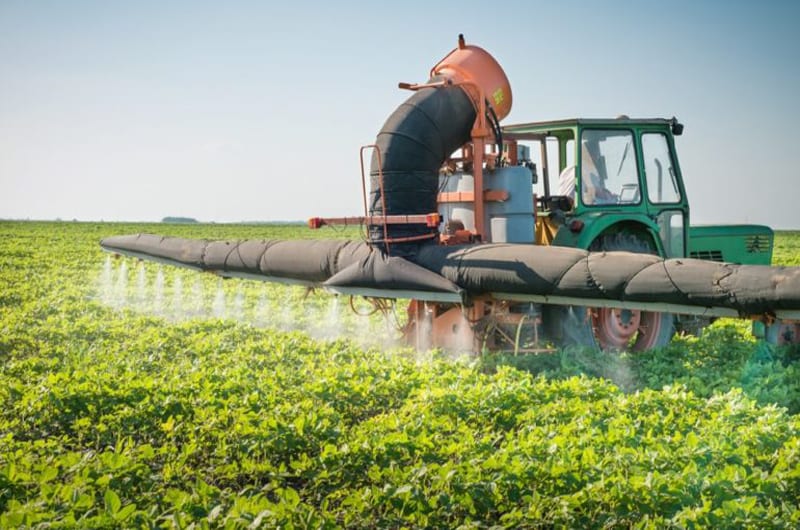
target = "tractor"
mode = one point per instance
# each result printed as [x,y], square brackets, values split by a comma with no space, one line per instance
[522,237]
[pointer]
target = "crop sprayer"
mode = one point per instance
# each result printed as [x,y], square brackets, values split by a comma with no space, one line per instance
[458,222]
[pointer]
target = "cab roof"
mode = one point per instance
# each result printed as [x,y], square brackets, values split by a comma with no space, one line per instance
[542,127]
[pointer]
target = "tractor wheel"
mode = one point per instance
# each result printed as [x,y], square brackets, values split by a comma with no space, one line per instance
[608,328]
[781,334]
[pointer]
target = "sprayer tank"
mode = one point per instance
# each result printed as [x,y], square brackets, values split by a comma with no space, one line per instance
[509,221]
[463,211]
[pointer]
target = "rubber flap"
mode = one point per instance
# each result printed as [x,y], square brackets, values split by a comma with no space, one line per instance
[378,271]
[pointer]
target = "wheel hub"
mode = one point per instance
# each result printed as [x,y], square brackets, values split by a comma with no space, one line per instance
[614,329]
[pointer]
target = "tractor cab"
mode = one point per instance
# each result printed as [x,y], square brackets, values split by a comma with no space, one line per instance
[604,176]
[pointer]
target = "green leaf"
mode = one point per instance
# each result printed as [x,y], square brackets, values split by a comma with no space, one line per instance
[10,471]
[112,501]
[299,424]
[169,425]
[691,440]
[125,512]
[84,501]
[147,452]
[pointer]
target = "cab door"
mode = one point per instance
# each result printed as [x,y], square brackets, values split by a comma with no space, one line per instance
[666,202]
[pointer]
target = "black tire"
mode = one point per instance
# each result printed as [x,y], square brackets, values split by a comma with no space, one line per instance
[581,326]
[568,326]
[781,333]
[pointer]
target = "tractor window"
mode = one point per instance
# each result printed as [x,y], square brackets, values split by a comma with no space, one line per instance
[671,230]
[662,183]
[570,153]
[533,150]
[608,168]
[552,161]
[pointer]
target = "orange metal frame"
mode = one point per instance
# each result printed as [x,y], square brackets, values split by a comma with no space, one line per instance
[432,220]
[469,196]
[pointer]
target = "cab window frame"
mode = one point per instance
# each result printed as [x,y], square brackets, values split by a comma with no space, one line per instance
[632,135]
[674,179]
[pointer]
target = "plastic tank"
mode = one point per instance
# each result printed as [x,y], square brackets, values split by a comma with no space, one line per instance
[511,221]
[457,211]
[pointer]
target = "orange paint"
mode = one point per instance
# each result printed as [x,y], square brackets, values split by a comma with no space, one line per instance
[480,75]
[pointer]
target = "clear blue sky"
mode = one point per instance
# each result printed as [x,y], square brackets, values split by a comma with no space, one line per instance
[229,111]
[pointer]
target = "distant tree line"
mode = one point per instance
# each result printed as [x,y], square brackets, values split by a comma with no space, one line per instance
[183,220]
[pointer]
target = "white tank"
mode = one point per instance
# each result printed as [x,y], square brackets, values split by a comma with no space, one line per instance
[511,221]
[457,211]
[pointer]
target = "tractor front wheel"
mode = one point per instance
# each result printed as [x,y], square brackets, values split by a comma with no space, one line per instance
[619,329]
[612,328]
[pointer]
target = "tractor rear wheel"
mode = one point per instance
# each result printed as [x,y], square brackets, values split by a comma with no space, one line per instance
[781,334]
[611,328]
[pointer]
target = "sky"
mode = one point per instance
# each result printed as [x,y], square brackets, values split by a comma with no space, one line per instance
[243,111]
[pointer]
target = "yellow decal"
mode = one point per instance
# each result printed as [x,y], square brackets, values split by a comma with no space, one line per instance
[497,96]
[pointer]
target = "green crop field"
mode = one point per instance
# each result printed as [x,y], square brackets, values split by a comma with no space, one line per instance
[145,397]
[787,248]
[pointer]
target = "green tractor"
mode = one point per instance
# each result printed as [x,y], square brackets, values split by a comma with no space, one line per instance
[616,184]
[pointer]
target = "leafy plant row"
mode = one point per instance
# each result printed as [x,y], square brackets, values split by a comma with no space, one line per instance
[111,417]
